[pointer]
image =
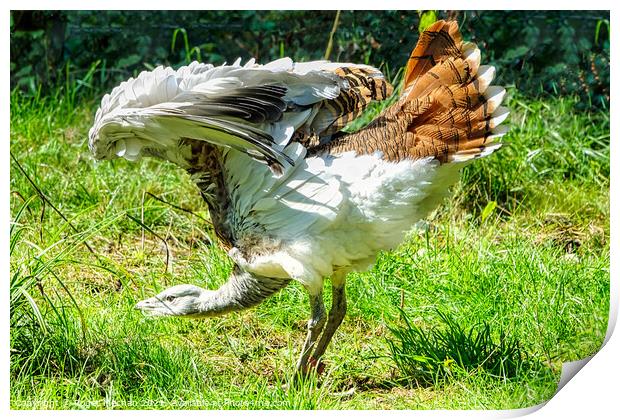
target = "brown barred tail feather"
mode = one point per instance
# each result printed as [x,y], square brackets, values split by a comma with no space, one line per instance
[436,44]
[447,108]
[463,118]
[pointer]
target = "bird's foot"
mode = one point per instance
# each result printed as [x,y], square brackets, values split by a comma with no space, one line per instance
[315,365]
[312,367]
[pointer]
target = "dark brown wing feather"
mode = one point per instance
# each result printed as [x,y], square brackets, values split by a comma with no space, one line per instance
[365,86]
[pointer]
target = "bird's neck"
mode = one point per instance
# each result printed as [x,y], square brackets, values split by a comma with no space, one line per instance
[242,290]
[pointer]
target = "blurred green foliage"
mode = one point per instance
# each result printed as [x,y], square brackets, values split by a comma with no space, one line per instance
[556,52]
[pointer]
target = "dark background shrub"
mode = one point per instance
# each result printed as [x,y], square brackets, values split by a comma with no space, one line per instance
[537,52]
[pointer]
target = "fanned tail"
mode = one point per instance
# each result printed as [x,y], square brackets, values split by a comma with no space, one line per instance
[455,114]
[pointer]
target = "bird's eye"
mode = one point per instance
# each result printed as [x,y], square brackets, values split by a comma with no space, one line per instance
[169,298]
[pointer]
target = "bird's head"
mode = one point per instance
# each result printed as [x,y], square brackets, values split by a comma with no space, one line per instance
[181,300]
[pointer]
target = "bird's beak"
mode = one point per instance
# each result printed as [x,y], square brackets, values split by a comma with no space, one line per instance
[152,307]
[144,304]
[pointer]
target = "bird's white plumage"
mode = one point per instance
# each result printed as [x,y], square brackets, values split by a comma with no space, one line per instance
[323,213]
[299,216]
[333,212]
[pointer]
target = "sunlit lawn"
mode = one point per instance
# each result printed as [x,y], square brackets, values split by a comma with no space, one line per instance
[529,276]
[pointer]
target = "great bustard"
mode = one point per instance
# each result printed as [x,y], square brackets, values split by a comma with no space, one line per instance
[291,197]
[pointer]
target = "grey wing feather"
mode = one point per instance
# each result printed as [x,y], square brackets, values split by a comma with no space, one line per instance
[254,104]
[228,113]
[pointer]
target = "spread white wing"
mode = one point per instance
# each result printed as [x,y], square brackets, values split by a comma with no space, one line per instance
[253,108]
[249,111]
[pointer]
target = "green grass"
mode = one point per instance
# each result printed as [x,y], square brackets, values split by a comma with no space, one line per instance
[527,279]
[449,349]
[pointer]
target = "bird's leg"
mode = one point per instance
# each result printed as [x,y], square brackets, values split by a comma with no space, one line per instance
[336,314]
[315,325]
